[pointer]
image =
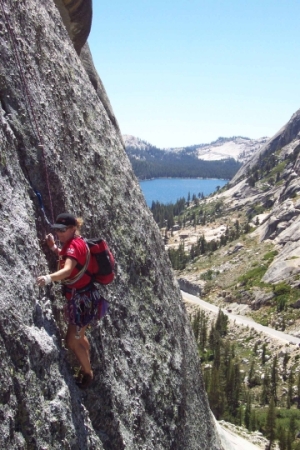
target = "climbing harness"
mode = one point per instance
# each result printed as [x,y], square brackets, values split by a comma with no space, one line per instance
[86,306]
[30,110]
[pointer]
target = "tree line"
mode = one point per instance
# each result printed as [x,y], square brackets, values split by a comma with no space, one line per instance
[165,214]
[247,398]
[180,258]
[161,164]
[270,166]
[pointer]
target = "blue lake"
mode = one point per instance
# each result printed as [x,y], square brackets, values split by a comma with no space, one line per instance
[169,190]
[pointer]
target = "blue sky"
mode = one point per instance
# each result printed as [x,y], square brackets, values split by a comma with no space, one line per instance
[180,72]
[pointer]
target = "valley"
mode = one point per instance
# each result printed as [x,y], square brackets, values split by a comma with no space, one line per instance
[238,250]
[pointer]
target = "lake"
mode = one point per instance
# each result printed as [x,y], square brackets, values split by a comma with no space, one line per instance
[169,190]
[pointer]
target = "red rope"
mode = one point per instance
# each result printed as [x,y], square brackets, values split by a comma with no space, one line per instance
[28,98]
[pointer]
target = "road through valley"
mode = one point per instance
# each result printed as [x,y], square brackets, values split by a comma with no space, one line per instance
[242,320]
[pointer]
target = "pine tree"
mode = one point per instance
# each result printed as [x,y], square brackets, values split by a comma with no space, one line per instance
[215,394]
[196,325]
[189,198]
[227,357]
[255,348]
[289,441]
[284,365]
[203,331]
[217,352]
[199,326]
[253,421]
[247,417]
[274,379]
[265,393]
[222,323]
[263,354]
[298,391]
[271,423]
[281,436]
[233,388]
[251,378]
[290,390]
[239,420]
[292,426]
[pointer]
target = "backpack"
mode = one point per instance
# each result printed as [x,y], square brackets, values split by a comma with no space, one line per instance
[105,261]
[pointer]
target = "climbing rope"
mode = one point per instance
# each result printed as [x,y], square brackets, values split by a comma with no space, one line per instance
[43,209]
[30,110]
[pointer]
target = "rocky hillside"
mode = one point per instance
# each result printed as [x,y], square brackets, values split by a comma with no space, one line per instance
[59,138]
[253,229]
[237,147]
[282,143]
[239,250]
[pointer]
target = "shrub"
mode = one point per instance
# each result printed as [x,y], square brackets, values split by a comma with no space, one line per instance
[253,277]
[281,289]
[270,256]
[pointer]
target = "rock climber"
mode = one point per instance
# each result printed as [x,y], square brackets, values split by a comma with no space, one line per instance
[84,302]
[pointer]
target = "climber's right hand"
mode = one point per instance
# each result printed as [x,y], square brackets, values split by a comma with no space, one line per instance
[51,242]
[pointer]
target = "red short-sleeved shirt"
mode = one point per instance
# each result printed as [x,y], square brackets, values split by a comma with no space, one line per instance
[76,249]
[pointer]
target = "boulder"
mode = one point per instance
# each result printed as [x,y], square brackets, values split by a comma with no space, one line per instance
[292,188]
[189,287]
[236,248]
[286,265]
[284,213]
[296,304]
[261,299]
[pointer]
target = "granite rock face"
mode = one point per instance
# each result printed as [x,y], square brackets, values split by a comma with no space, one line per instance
[58,138]
[281,219]
[286,136]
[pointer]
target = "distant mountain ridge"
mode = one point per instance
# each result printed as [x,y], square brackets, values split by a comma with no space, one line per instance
[219,159]
[237,147]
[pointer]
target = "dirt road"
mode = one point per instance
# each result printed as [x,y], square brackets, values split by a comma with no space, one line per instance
[242,320]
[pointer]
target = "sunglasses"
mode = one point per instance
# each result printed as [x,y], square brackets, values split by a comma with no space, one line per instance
[62,230]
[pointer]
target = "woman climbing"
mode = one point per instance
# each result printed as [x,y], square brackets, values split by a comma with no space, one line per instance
[84,302]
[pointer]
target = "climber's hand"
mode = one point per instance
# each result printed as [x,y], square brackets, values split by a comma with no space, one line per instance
[51,243]
[50,240]
[43,280]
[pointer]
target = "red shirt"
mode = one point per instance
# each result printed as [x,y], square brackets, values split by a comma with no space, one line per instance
[76,249]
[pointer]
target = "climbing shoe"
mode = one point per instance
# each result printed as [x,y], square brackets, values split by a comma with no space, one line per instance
[86,381]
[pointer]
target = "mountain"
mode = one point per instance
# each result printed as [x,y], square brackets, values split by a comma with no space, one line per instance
[239,148]
[61,150]
[151,162]
[219,159]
